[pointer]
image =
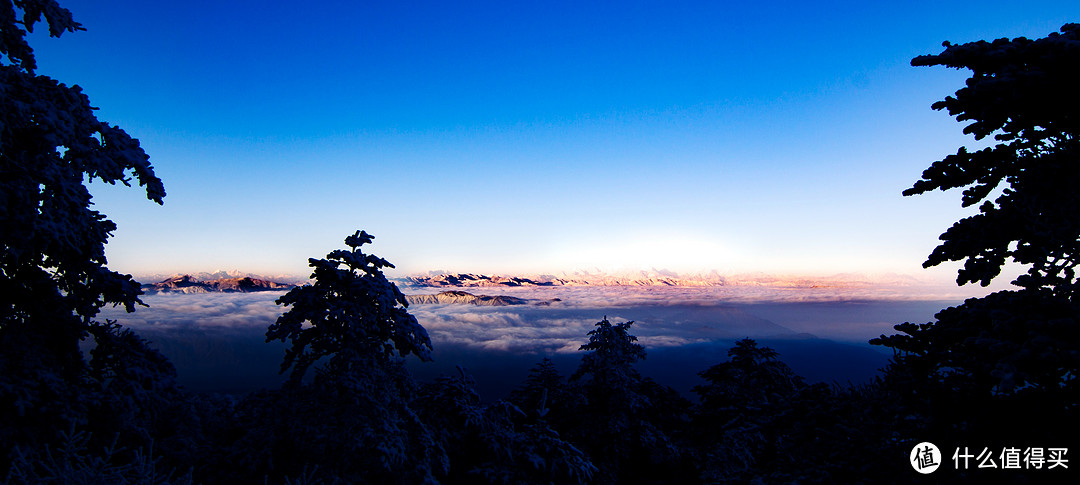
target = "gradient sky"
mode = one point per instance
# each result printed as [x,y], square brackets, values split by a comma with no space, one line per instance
[496,137]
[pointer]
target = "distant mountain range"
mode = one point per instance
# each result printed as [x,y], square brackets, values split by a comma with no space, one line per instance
[235,281]
[191,284]
[473,280]
[222,274]
[654,278]
[461,297]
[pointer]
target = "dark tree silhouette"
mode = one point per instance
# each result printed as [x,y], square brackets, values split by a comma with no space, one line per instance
[753,374]
[624,419]
[1012,353]
[612,352]
[357,317]
[1023,92]
[545,395]
[490,444]
[50,143]
[53,274]
[744,402]
[353,422]
[758,422]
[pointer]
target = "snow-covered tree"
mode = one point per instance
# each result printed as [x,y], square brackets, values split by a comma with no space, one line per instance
[1022,93]
[612,351]
[491,444]
[545,395]
[53,274]
[745,406]
[353,421]
[50,145]
[625,421]
[752,374]
[1016,352]
[355,317]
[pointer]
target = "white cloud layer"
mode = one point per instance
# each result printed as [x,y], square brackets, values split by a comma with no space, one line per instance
[208,310]
[216,340]
[664,317]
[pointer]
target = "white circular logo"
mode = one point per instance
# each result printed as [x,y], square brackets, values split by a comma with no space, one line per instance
[925,457]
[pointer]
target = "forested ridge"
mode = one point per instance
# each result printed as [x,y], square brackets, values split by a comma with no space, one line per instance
[85,401]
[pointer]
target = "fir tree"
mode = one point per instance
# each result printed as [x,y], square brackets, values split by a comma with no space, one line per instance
[53,274]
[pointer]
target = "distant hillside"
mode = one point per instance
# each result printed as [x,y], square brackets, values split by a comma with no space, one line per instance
[191,284]
[463,298]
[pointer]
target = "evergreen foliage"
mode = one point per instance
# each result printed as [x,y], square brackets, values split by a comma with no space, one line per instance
[620,422]
[758,422]
[490,444]
[53,274]
[50,143]
[744,400]
[1013,353]
[356,316]
[1023,92]
[546,396]
[354,420]
[72,462]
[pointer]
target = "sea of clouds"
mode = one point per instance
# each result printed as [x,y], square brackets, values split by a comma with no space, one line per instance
[217,340]
[560,317]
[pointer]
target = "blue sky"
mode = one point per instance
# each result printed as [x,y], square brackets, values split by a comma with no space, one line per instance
[495,137]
